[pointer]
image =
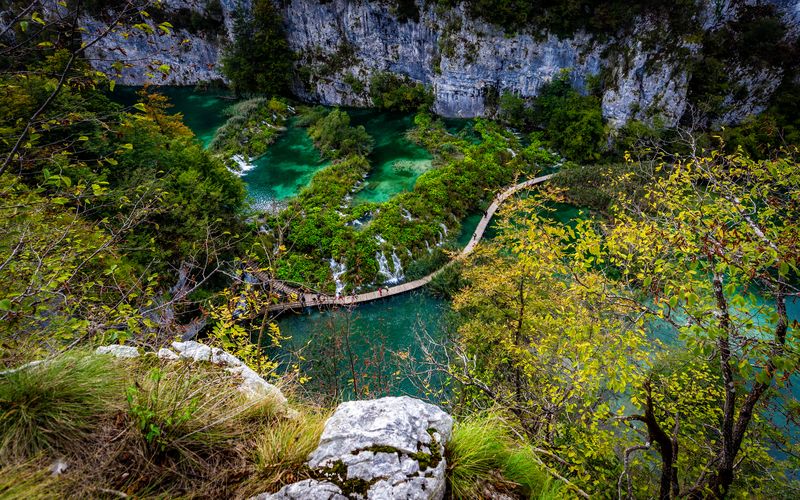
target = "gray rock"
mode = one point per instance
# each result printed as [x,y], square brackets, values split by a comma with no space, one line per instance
[58,467]
[220,357]
[192,350]
[119,351]
[310,489]
[391,447]
[400,423]
[167,355]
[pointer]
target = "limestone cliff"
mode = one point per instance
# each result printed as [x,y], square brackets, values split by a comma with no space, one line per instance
[467,63]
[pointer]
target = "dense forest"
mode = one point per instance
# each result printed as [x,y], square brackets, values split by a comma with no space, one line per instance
[647,346]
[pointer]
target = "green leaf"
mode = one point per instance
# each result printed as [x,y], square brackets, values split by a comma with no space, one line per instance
[5,305]
[83,138]
[140,106]
[111,85]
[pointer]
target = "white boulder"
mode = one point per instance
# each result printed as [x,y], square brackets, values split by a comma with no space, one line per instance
[119,351]
[379,449]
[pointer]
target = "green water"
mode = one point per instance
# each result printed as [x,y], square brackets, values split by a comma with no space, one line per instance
[392,324]
[558,212]
[396,161]
[288,167]
[292,160]
[203,111]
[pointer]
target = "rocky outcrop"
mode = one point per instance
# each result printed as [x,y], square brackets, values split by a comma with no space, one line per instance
[253,385]
[464,61]
[380,449]
[152,55]
[467,63]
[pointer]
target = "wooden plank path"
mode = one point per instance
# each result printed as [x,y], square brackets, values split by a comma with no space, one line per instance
[318,300]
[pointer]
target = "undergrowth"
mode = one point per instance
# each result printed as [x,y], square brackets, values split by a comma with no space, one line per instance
[143,428]
[52,406]
[483,458]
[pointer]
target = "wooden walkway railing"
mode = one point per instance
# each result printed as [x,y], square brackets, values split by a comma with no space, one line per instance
[318,300]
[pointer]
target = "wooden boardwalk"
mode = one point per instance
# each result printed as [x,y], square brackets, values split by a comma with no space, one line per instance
[318,300]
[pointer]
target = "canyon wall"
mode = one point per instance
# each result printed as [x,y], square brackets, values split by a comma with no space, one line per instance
[467,63]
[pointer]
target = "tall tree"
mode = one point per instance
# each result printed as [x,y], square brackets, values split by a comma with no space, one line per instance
[555,318]
[258,59]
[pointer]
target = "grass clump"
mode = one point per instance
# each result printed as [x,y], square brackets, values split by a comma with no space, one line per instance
[27,479]
[483,457]
[52,406]
[179,431]
[283,447]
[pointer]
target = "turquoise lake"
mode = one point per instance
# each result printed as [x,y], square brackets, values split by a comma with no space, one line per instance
[396,164]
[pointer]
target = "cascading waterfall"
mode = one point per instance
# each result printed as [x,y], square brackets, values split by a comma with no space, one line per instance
[406,214]
[337,271]
[244,164]
[444,228]
[392,277]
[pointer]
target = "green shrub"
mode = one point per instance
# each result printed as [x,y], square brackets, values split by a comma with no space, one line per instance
[53,406]
[448,282]
[335,138]
[309,115]
[571,122]
[259,59]
[253,125]
[391,92]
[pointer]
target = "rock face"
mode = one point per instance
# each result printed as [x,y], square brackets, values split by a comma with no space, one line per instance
[380,449]
[192,57]
[467,63]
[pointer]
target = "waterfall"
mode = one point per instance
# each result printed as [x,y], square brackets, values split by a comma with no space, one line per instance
[444,228]
[337,271]
[406,214]
[379,239]
[428,246]
[244,164]
[392,277]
